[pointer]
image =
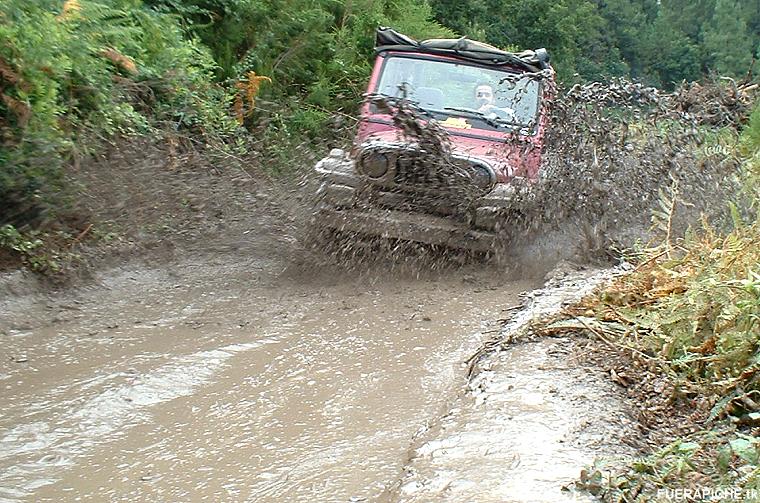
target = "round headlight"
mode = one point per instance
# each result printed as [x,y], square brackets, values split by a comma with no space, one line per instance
[374,164]
[482,176]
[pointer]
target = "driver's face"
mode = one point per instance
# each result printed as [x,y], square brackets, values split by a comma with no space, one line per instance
[484,95]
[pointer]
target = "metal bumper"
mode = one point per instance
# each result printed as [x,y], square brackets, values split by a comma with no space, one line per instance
[408,226]
[338,210]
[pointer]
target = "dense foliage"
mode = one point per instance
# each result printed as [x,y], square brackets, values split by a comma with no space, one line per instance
[76,73]
[691,311]
[658,42]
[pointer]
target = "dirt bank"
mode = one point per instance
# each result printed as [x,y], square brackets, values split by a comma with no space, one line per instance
[534,413]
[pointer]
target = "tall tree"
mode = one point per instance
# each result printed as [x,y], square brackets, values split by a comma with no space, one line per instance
[626,20]
[572,30]
[467,17]
[688,16]
[727,43]
[667,54]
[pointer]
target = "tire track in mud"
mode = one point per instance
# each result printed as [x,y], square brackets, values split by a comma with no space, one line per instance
[530,418]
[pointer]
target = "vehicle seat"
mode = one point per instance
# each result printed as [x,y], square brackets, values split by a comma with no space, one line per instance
[429,97]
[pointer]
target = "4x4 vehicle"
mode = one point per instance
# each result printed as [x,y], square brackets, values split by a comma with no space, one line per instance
[489,102]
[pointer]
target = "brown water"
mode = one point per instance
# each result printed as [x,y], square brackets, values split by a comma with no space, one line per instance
[222,380]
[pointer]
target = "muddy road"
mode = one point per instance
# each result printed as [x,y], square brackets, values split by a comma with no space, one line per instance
[234,371]
[229,376]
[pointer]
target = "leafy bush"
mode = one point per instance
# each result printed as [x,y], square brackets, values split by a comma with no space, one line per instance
[750,148]
[317,50]
[691,311]
[750,140]
[30,249]
[77,72]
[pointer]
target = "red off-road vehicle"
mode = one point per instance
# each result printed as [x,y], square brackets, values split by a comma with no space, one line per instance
[491,105]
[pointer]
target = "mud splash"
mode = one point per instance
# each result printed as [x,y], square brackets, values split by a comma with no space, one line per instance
[614,154]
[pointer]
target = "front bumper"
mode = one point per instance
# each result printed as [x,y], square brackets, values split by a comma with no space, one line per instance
[342,207]
[408,226]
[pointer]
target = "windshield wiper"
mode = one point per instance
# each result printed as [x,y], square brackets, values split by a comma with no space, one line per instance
[477,114]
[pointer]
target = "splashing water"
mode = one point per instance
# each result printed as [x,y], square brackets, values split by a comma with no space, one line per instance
[612,154]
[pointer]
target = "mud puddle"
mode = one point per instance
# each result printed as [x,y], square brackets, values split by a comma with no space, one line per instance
[209,381]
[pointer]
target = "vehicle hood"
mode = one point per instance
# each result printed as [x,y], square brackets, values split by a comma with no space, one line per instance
[509,155]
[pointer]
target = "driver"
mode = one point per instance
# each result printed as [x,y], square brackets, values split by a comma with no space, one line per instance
[485,99]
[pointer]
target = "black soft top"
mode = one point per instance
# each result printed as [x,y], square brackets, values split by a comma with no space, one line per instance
[470,50]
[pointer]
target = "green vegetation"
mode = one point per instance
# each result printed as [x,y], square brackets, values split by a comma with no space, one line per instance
[74,74]
[77,73]
[657,42]
[691,312]
[30,248]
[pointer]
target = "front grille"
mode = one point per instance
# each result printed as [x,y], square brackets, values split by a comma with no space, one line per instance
[417,202]
[417,172]
[413,172]
[432,188]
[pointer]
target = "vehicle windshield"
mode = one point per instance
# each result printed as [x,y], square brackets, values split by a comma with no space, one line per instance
[492,98]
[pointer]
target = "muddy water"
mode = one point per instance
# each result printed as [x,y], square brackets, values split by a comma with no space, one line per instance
[222,380]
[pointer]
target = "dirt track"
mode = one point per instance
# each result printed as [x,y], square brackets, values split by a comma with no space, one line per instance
[229,376]
[219,365]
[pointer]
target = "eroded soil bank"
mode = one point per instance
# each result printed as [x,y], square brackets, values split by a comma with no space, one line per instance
[533,414]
